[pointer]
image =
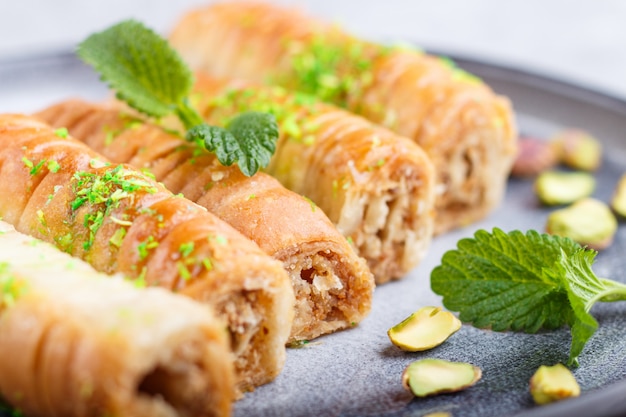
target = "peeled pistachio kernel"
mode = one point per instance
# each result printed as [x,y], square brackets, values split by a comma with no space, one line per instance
[618,203]
[589,222]
[553,383]
[557,187]
[425,329]
[578,149]
[437,376]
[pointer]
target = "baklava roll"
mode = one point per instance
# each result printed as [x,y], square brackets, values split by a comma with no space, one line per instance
[75,342]
[333,286]
[121,220]
[468,131]
[375,186]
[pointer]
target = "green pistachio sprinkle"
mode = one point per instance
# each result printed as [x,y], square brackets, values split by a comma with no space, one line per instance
[186,249]
[118,237]
[183,271]
[208,265]
[330,70]
[35,169]
[104,193]
[146,246]
[41,218]
[53,166]
[288,109]
[65,242]
[311,203]
[222,240]
[11,287]
[27,162]
[61,132]
[140,281]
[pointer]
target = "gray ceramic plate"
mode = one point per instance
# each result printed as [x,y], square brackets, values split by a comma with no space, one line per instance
[357,372]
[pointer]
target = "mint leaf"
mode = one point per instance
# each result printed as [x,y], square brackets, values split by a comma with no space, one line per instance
[217,140]
[524,282]
[584,290]
[497,281]
[151,77]
[140,66]
[582,287]
[249,139]
[256,133]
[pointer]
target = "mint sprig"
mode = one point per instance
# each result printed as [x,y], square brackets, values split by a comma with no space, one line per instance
[248,139]
[524,282]
[152,78]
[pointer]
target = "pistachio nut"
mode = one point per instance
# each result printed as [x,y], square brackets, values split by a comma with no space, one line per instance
[618,203]
[553,383]
[578,149]
[425,329]
[589,222]
[559,187]
[437,376]
[533,157]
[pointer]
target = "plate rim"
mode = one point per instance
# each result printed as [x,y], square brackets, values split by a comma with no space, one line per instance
[538,79]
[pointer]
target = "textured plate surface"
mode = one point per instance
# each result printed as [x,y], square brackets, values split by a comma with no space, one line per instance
[357,372]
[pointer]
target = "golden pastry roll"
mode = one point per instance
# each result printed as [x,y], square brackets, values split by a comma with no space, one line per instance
[333,286]
[120,220]
[468,131]
[375,186]
[76,342]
